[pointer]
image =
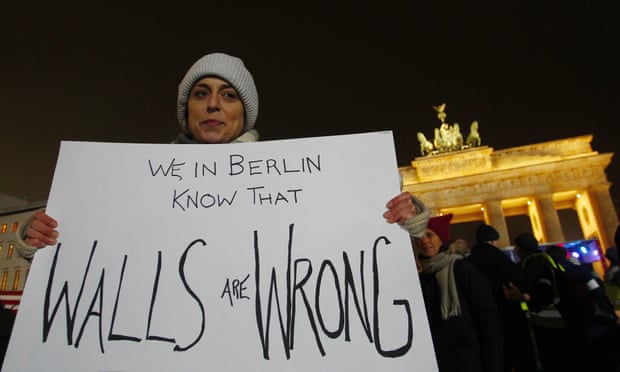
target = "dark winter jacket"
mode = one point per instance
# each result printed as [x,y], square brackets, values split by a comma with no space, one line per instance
[537,280]
[497,267]
[501,271]
[471,341]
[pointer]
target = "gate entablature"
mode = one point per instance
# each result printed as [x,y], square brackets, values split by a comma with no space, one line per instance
[480,183]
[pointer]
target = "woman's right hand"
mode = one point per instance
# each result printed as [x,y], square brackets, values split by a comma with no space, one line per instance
[42,230]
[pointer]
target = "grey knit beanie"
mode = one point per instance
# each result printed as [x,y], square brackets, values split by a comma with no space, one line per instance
[225,67]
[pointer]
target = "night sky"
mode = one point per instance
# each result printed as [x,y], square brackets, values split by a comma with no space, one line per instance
[526,72]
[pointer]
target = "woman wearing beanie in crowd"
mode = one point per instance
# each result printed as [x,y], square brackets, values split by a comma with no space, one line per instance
[505,279]
[462,315]
[217,102]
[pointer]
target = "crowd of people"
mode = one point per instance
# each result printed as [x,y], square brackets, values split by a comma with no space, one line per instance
[525,323]
[486,312]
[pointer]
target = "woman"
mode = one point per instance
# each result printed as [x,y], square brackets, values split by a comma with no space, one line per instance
[217,102]
[461,311]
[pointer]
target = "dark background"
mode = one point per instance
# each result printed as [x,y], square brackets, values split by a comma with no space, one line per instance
[527,71]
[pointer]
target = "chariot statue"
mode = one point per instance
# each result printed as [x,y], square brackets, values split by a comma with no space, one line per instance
[448,137]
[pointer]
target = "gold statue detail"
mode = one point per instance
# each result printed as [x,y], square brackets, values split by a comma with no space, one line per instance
[473,139]
[441,112]
[448,137]
[426,146]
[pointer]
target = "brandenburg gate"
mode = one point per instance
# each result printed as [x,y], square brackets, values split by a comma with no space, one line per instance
[478,183]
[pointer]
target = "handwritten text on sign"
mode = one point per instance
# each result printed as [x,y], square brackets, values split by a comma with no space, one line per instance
[269,256]
[236,165]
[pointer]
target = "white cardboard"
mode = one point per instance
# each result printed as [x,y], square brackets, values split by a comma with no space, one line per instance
[143,281]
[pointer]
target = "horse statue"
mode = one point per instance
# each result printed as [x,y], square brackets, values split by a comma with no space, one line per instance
[457,137]
[426,146]
[473,139]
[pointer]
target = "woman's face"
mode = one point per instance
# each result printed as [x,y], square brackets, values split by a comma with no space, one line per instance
[214,111]
[430,244]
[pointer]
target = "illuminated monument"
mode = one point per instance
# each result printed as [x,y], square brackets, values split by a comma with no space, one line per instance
[478,183]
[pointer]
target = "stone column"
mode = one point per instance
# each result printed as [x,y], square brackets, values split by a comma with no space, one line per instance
[603,207]
[550,220]
[494,216]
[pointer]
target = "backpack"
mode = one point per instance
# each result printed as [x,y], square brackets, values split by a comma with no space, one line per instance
[572,297]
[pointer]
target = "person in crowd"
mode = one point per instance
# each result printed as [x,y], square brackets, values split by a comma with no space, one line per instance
[583,273]
[463,318]
[611,279]
[603,333]
[459,246]
[505,278]
[551,332]
[612,274]
[217,102]
[7,319]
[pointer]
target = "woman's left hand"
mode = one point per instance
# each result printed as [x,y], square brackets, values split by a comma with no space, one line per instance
[400,209]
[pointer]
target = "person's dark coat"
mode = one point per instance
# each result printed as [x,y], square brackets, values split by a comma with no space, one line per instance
[498,268]
[501,271]
[471,341]
[537,281]
[7,318]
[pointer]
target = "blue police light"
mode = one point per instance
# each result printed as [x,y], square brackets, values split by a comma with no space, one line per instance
[585,251]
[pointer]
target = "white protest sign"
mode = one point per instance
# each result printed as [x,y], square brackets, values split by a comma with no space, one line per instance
[237,257]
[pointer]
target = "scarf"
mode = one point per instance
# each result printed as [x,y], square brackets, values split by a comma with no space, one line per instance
[249,136]
[442,266]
